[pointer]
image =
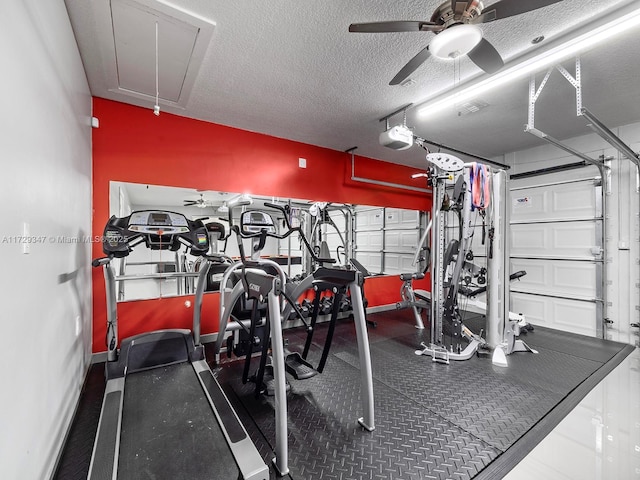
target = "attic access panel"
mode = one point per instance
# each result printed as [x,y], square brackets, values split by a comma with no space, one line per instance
[182,42]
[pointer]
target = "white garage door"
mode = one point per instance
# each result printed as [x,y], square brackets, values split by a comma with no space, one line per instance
[556,237]
[386,239]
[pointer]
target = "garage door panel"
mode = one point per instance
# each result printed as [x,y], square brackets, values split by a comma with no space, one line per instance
[573,236]
[369,240]
[573,201]
[396,217]
[409,239]
[527,238]
[527,205]
[562,314]
[578,278]
[575,317]
[392,240]
[369,219]
[401,239]
[371,261]
[398,263]
[564,279]
[554,202]
[534,280]
[406,263]
[410,217]
[559,240]
[391,263]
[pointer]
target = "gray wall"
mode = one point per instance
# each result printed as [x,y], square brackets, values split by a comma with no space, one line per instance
[45,147]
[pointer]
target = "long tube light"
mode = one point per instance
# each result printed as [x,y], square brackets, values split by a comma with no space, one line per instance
[593,36]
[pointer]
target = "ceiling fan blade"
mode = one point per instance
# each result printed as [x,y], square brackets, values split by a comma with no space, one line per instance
[486,57]
[411,67]
[395,26]
[188,203]
[510,8]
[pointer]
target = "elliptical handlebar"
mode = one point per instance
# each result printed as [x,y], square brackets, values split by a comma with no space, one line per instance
[290,230]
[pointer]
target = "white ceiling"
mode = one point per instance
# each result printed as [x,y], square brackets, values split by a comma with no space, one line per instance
[291,69]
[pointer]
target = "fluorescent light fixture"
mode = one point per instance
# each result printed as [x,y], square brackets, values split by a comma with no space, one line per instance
[240,200]
[455,41]
[554,55]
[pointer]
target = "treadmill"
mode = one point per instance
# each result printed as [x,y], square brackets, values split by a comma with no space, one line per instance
[164,414]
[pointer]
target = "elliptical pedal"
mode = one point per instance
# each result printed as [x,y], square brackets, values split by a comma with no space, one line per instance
[298,367]
[268,386]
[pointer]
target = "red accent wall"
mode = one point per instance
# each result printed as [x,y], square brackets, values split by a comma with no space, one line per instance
[385,289]
[133,145]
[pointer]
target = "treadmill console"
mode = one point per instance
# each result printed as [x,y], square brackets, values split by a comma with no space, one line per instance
[158,229]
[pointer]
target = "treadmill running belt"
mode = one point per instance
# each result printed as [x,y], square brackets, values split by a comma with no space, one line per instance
[169,430]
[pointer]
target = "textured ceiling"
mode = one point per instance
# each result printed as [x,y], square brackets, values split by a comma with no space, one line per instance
[291,69]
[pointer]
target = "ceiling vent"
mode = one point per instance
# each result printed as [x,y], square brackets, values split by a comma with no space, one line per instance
[130,59]
[472,106]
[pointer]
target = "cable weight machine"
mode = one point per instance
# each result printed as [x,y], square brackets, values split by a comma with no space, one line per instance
[451,265]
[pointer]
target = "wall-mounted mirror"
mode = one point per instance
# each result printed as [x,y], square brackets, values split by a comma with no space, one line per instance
[384,240]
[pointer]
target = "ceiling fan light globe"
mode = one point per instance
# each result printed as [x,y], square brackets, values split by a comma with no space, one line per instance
[455,41]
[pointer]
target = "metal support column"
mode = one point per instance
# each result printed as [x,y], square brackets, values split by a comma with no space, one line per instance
[497,262]
[437,258]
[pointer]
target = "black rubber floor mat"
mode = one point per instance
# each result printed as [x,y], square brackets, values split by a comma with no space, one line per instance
[325,440]
[496,404]
[432,421]
[76,456]
[580,346]
[423,408]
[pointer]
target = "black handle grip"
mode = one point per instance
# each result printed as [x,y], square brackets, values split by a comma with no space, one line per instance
[98,262]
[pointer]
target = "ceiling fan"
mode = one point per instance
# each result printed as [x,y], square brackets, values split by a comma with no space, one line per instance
[455,25]
[200,203]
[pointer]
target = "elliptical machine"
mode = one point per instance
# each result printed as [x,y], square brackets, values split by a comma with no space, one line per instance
[262,282]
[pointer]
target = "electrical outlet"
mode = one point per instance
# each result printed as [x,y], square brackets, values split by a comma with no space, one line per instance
[302,162]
